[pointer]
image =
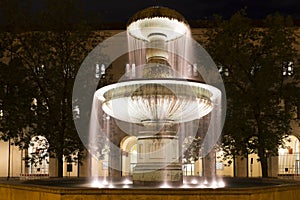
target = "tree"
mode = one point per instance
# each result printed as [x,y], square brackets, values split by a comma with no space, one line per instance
[49,55]
[192,139]
[251,61]
[16,112]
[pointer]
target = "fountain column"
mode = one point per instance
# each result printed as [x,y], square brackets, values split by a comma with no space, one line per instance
[158,159]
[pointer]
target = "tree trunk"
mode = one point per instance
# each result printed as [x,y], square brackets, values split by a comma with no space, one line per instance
[60,164]
[261,144]
[60,151]
[263,162]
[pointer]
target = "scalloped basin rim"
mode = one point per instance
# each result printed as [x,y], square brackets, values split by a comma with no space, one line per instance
[155,100]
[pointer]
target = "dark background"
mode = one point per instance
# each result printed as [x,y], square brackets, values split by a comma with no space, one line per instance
[119,11]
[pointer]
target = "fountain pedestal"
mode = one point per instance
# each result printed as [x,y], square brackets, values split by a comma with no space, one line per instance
[158,160]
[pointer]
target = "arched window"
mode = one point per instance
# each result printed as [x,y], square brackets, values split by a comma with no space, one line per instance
[289,158]
[38,156]
[129,155]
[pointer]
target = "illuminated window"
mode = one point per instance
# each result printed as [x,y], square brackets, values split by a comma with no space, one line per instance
[288,68]
[1,114]
[223,70]
[99,70]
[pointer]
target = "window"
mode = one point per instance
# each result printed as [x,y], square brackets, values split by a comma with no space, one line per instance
[288,68]
[99,71]
[223,70]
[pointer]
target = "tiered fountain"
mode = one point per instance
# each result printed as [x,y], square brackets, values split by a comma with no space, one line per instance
[159,97]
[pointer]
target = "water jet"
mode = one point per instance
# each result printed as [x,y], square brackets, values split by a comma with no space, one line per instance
[158,97]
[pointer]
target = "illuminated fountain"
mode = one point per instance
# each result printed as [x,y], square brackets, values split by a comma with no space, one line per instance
[158,97]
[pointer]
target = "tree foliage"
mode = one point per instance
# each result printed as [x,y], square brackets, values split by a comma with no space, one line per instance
[38,70]
[251,60]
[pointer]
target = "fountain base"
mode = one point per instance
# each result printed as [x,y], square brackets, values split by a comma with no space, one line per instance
[145,176]
[157,159]
[79,188]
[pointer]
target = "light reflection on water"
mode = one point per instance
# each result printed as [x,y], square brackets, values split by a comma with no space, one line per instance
[127,183]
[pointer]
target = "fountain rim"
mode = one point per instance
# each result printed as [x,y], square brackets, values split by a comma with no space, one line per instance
[203,91]
[161,22]
[141,30]
[157,11]
[215,92]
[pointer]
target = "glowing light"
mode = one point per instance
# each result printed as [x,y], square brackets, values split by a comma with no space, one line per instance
[205,182]
[214,184]
[100,184]
[221,184]
[165,185]
[202,186]
[127,182]
[185,186]
[105,182]
[194,181]
[96,183]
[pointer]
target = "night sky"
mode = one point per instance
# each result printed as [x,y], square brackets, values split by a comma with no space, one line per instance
[121,10]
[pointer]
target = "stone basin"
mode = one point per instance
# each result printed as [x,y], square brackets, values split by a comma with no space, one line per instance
[79,189]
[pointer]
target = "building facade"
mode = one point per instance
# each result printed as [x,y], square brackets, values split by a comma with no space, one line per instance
[13,164]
